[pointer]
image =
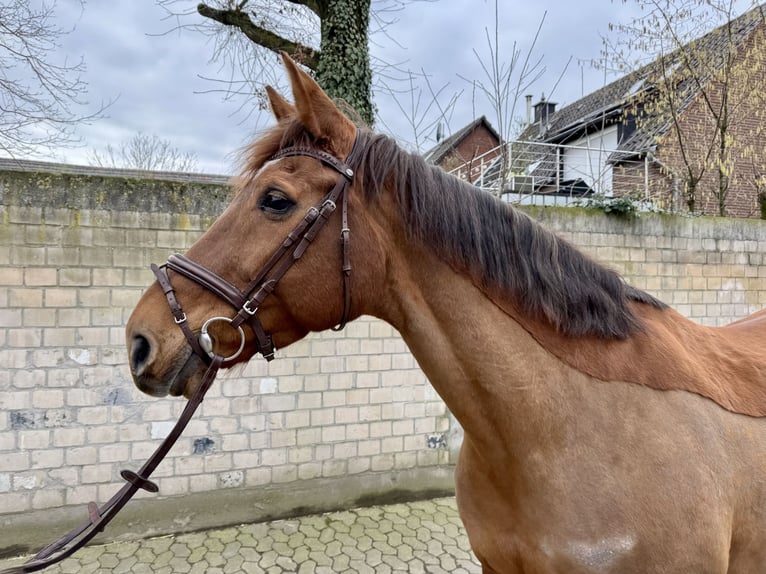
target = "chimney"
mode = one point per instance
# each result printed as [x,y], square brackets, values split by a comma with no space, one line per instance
[543,112]
[528,97]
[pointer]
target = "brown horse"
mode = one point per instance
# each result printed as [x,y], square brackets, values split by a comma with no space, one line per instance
[603,432]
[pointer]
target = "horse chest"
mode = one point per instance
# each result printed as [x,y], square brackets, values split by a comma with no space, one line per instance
[552,523]
[608,554]
[522,553]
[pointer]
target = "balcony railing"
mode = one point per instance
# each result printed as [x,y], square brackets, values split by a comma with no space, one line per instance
[533,173]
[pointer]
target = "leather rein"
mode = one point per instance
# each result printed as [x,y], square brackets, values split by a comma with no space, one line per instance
[246,303]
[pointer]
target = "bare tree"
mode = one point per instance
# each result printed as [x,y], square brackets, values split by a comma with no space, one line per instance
[506,77]
[329,37]
[704,86]
[39,91]
[147,152]
[426,109]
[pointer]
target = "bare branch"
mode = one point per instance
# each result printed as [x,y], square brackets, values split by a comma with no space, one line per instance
[295,25]
[263,37]
[423,114]
[39,93]
[505,81]
[318,7]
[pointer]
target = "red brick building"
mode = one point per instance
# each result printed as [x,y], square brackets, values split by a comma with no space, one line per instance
[471,148]
[663,126]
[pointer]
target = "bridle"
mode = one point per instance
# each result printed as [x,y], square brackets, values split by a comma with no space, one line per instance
[247,303]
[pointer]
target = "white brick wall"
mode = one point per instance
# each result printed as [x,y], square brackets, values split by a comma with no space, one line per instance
[333,405]
[71,419]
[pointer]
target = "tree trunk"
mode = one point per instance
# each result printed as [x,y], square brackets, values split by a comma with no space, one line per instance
[723,191]
[691,194]
[343,69]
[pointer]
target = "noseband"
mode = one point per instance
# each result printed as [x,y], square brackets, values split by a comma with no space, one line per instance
[248,301]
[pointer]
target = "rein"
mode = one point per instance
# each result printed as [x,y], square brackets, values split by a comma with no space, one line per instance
[247,303]
[99,517]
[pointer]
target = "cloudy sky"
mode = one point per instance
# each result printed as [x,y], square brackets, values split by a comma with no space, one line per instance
[155,76]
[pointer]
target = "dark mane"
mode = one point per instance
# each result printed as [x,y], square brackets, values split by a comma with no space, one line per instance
[501,247]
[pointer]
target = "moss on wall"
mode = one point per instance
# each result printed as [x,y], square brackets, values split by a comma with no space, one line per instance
[86,192]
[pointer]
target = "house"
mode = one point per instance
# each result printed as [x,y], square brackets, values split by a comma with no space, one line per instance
[469,150]
[656,132]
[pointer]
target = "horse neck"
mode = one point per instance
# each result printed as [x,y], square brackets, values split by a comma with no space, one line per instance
[494,377]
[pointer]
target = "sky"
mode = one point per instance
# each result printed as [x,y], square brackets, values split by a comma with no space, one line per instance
[154,75]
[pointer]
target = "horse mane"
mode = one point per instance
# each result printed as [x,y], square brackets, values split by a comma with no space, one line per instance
[284,134]
[503,249]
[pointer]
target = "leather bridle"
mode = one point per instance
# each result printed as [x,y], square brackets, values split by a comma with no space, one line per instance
[247,303]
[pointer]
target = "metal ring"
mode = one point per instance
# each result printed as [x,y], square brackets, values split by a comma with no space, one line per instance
[206,341]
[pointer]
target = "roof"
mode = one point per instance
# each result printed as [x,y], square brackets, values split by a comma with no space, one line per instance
[442,149]
[606,104]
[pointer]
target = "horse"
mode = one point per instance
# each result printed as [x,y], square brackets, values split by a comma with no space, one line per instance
[604,432]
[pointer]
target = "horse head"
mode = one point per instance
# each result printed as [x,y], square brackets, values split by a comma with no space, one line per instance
[276,264]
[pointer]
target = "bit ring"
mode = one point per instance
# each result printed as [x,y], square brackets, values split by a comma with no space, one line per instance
[206,341]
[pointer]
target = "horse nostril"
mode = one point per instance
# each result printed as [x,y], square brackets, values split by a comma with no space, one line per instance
[139,354]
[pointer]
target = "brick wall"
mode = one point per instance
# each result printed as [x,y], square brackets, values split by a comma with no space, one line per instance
[476,144]
[337,419]
[712,270]
[349,414]
[745,165]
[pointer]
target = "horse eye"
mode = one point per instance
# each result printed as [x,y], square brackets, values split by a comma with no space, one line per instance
[275,203]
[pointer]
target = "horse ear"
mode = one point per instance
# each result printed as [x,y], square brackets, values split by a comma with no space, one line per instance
[315,109]
[280,107]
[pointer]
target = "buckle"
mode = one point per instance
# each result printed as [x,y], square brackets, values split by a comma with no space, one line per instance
[330,204]
[247,309]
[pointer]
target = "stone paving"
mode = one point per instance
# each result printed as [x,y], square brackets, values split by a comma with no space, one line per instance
[426,537]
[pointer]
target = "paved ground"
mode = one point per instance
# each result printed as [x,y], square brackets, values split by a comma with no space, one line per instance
[425,537]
